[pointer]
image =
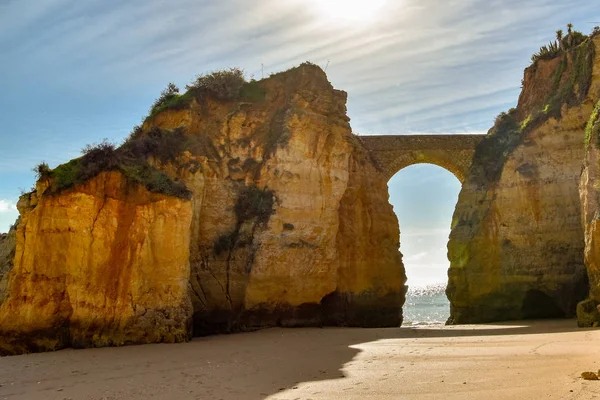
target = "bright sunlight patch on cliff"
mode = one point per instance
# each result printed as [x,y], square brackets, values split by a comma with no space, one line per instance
[349,10]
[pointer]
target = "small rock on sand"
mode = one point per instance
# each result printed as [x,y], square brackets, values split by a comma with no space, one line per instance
[589,376]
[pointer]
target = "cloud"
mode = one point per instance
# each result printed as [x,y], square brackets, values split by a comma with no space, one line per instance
[415,257]
[7,206]
[419,232]
[425,66]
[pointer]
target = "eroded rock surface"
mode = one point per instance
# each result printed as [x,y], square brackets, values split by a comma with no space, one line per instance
[288,223]
[103,264]
[587,311]
[8,243]
[326,251]
[516,246]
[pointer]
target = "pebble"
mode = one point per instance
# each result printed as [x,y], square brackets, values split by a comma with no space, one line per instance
[589,376]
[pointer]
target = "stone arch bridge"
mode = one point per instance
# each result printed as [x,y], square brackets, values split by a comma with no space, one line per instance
[394,152]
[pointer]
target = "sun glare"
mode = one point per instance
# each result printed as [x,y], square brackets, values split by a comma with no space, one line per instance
[349,10]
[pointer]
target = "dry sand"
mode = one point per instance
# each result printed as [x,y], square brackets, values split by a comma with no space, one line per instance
[524,360]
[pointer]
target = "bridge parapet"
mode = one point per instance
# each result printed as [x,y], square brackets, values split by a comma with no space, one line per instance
[394,152]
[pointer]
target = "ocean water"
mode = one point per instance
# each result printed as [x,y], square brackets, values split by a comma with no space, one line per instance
[426,305]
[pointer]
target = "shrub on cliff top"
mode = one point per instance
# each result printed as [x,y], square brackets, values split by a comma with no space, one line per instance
[66,175]
[222,85]
[546,52]
[573,90]
[130,159]
[571,81]
[169,97]
[136,133]
[561,44]
[226,85]
[165,95]
[102,156]
[95,158]
[42,170]
[161,144]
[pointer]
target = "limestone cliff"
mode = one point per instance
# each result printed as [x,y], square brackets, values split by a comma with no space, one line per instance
[587,311]
[516,245]
[235,209]
[8,243]
[286,231]
[103,264]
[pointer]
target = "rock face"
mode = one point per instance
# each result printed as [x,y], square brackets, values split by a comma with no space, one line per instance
[104,264]
[288,224]
[587,311]
[8,243]
[516,246]
[316,244]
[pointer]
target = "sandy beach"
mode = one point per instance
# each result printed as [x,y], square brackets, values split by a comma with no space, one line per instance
[524,360]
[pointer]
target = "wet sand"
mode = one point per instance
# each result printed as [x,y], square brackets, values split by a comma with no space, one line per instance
[522,360]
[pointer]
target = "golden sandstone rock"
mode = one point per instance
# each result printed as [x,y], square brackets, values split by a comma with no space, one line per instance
[103,264]
[516,247]
[306,265]
[224,213]
[288,224]
[588,313]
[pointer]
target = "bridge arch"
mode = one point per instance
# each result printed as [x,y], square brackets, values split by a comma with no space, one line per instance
[439,158]
[395,152]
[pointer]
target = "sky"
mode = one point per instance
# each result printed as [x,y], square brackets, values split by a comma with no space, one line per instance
[75,72]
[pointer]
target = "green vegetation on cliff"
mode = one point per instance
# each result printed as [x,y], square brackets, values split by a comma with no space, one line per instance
[491,153]
[135,157]
[572,76]
[592,129]
[253,205]
[254,202]
[169,99]
[492,276]
[571,81]
[572,89]
[131,159]
[562,43]
[226,85]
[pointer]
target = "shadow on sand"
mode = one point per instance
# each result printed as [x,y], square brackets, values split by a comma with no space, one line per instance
[240,366]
